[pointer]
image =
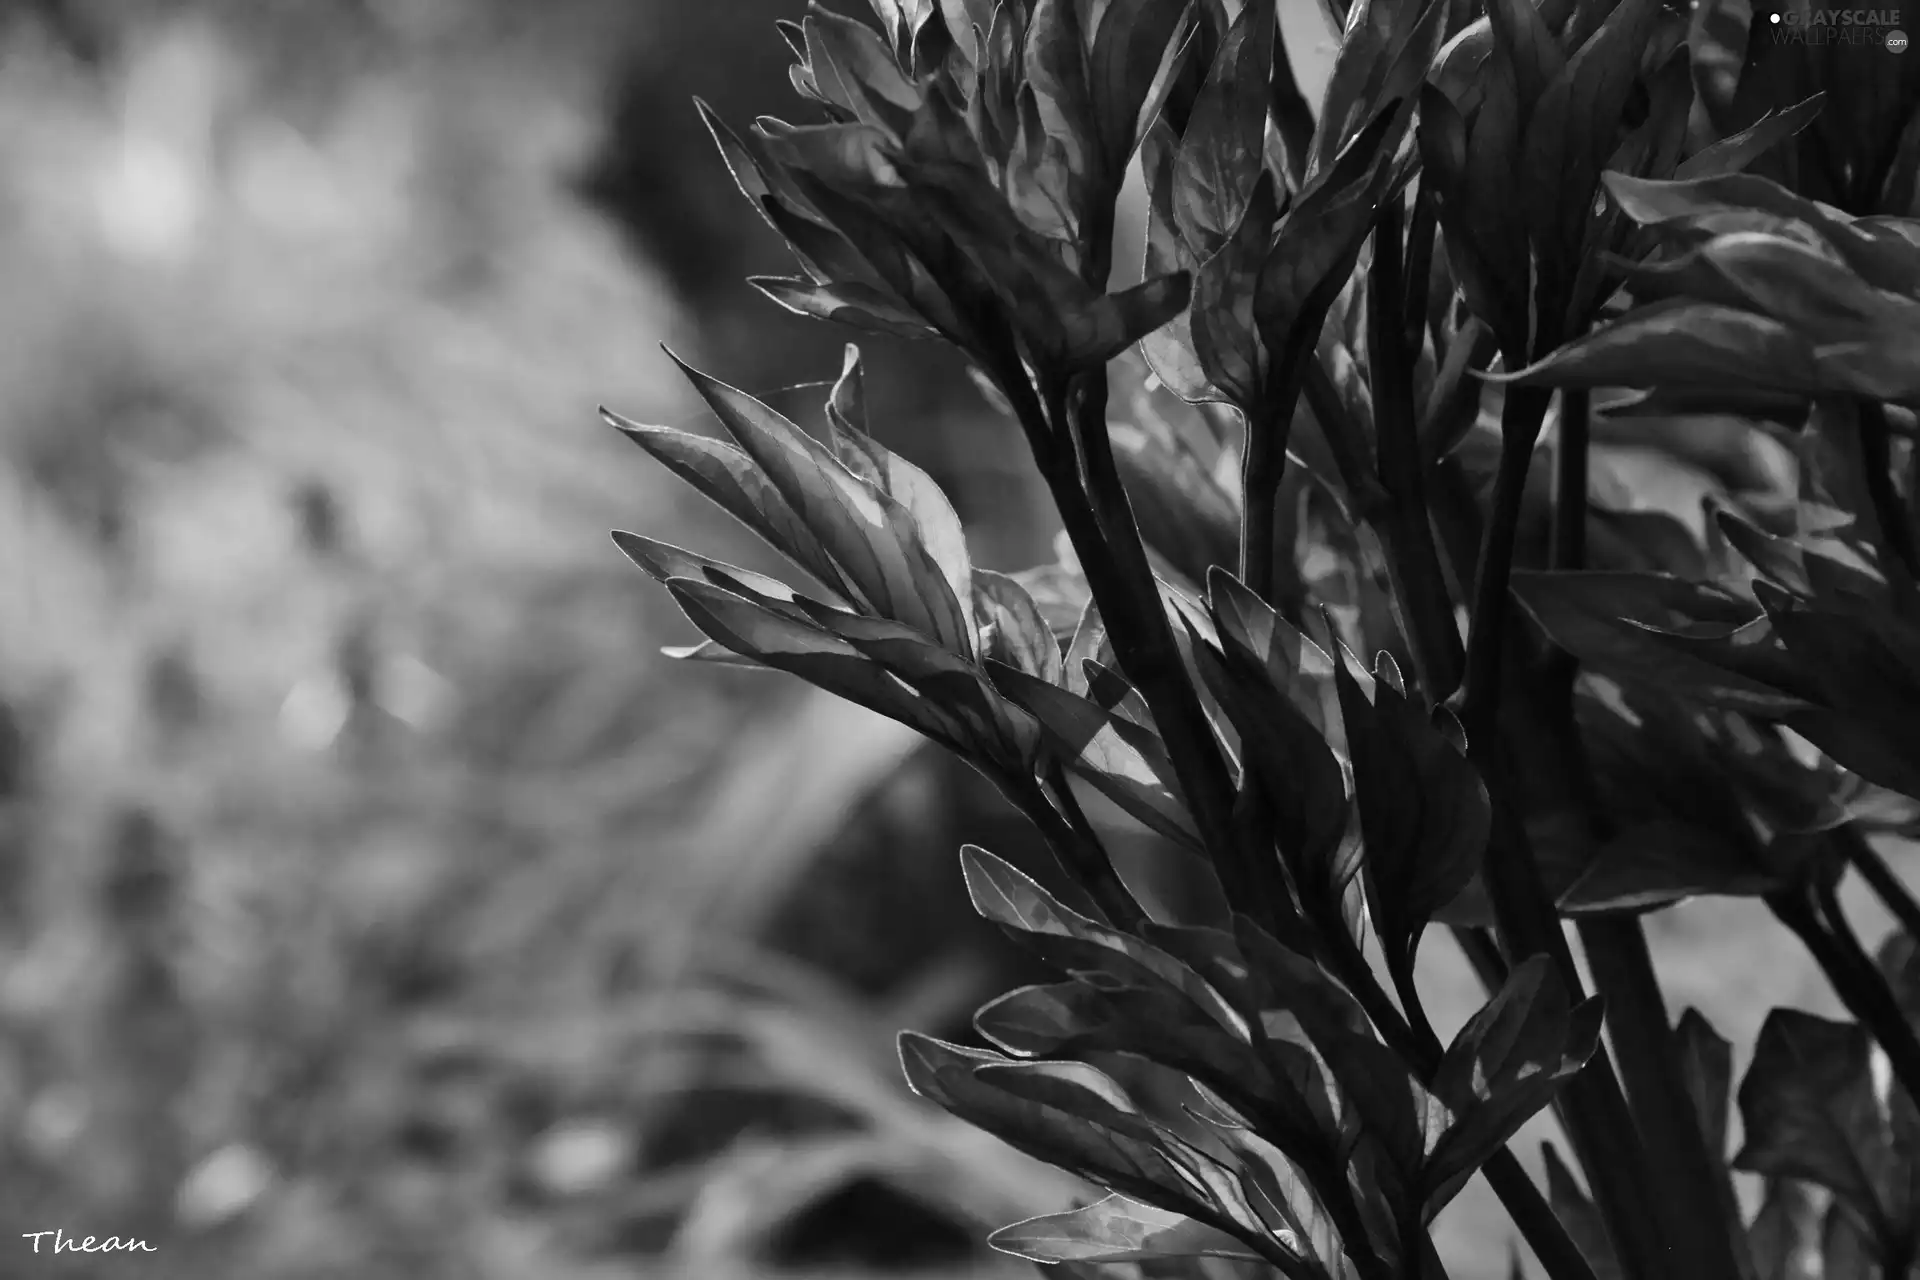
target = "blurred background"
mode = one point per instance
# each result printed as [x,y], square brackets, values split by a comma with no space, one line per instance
[375,900]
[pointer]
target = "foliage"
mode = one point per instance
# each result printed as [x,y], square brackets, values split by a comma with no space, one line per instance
[1664,716]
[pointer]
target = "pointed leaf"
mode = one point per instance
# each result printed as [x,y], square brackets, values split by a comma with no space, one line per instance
[799,648]
[1221,153]
[1115,1230]
[1736,151]
[1505,1065]
[871,537]
[1012,628]
[1125,762]
[1810,1113]
[1424,813]
[1680,343]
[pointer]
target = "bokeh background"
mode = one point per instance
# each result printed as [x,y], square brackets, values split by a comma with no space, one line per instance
[375,900]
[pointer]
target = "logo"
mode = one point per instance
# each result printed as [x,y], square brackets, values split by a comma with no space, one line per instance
[1817,25]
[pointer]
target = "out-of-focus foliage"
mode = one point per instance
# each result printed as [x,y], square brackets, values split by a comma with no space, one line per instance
[372,903]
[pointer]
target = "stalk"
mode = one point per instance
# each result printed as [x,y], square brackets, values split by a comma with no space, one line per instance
[1680,1169]
[1263,467]
[1852,975]
[1412,559]
[1543,1231]
[1886,886]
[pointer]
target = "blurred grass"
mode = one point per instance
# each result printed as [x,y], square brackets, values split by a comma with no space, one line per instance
[375,900]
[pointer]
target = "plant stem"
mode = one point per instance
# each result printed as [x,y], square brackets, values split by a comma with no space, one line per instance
[1681,1172]
[1263,466]
[1886,886]
[1419,271]
[1454,403]
[1086,852]
[1592,1105]
[1852,975]
[1413,562]
[1099,520]
[1483,954]
[1520,421]
[1542,1230]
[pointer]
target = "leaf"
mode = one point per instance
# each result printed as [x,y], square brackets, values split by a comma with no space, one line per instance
[1505,1065]
[1318,240]
[1847,1251]
[1131,48]
[847,303]
[934,520]
[662,561]
[1115,1229]
[799,648]
[1655,629]
[1529,48]
[1424,812]
[1570,134]
[1680,343]
[1016,902]
[1660,863]
[1394,1109]
[871,538]
[1225,333]
[730,479]
[1183,513]
[1013,630]
[1074,1019]
[1735,152]
[1124,762]
[1384,56]
[1784,1237]
[1706,1065]
[853,68]
[1221,154]
[1000,730]
[1810,1113]
[1123,1156]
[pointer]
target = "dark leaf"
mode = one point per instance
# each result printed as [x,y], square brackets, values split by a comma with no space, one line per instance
[934,519]
[1785,1236]
[1225,334]
[1013,630]
[1655,629]
[1735,152]
[1182,511]
[849,303]
[1120,1151]
[872,538]
[1661,862]
[1706,1064]
[1115,1229]
[730,479]
[1424,812]
[1809,1109]
[1222,151]
[802,649]
[1504,1066]
[1125,762]
[1016,902]
[1847,1251]
[1683,344]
